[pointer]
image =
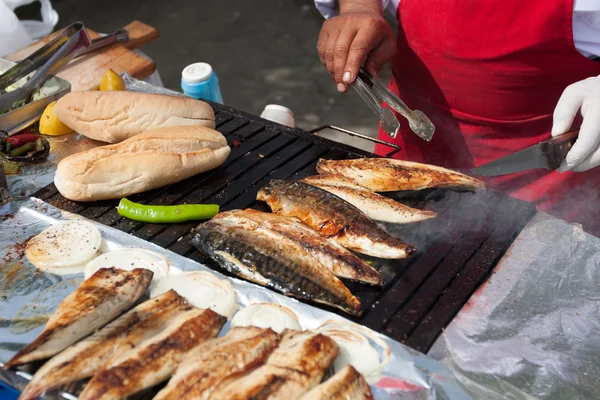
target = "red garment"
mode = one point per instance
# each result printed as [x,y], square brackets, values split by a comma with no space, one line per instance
[488,73]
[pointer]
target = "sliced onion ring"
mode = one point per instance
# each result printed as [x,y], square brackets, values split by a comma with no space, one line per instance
[126,258]
[267,315]
[201,289]
[356,349]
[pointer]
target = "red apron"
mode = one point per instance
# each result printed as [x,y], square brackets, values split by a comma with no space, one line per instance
[488,73]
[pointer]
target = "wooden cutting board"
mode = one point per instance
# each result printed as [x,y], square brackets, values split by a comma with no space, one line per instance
[86,72]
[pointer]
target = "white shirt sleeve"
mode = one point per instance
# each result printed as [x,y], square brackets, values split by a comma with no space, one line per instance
[586,27]
[330,9]
[586,21]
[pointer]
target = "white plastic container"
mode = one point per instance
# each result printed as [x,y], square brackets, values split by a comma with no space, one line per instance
[280,114]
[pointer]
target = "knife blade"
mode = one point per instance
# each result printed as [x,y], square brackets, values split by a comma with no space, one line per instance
[548,154]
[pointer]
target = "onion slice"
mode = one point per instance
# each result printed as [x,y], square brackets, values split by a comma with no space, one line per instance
[201,289]
[267,315]
[65,247]
[356,349]
[128,259]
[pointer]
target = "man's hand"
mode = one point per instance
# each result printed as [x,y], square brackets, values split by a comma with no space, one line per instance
[584,95]
[354,39]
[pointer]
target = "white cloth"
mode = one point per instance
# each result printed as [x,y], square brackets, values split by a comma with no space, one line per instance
[586,21]
[16,34]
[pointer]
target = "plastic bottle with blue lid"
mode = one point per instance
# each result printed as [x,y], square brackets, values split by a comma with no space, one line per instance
[200,82]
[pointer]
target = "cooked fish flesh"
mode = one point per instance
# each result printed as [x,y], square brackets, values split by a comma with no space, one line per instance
[262,257]
[336,258]
[97,301]
[375,206]
[218,361]
[156,357]
[296,366]
[333,218]
[348,384]
[85,358]
[387,175]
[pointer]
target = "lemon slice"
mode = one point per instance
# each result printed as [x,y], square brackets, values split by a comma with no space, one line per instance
[50,124]
[112,81]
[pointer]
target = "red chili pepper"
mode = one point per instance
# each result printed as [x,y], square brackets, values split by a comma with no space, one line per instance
[22,138]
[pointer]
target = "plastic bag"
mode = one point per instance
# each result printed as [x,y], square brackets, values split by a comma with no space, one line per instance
[16,34]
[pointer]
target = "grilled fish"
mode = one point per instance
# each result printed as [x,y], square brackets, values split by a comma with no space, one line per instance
[375,206]
[218,361]
[348,384]
[97,301]
[85,358]
[156,357]
[333,218]
[296,366]
[387,175]
[267,259]
[336,258]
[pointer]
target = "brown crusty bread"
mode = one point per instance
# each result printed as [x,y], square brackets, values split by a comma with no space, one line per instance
[115,116]
[147,161]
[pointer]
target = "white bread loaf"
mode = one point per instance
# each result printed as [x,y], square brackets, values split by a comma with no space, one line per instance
[115,116]
[146,161]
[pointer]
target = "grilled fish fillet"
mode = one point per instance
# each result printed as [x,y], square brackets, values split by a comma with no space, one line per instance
[296,366]
[97,301]
[386,174]
[85,358]
[155,358]
[333,218]
[375,206]
[336,258]
[348,384]
[262,257]
[216,362]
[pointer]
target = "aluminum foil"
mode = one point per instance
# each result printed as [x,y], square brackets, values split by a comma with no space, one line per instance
[28,297]
[532,330]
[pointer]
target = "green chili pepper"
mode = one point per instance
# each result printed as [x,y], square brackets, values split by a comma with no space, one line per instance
[19,151]
[166,214]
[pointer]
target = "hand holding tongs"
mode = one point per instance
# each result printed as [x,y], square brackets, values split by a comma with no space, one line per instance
[373,92]
[48,60]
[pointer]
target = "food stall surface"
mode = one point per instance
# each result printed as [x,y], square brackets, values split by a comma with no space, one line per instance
[458,250]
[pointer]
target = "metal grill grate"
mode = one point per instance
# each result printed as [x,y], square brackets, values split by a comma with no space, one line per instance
[456,251]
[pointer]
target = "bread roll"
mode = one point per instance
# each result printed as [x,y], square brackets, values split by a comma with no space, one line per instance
[115,116]
[146,161]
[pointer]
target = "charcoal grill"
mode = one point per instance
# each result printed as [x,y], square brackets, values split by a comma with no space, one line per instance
[456,251]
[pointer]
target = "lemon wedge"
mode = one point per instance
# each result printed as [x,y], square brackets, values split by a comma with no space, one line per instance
[112,81]
[50,124]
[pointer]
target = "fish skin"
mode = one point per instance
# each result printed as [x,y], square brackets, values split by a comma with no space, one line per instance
[255,255]
[347,384]
[96,302]
[218,361]
[296,366]
[388,175]
[342,262]
[156,358]
[333,218]
[375,206]
[83,359]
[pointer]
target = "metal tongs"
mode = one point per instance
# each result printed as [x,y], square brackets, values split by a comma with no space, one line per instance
[373,92]
[46,61]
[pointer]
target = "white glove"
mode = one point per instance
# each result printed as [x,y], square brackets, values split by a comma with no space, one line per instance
[584,95]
